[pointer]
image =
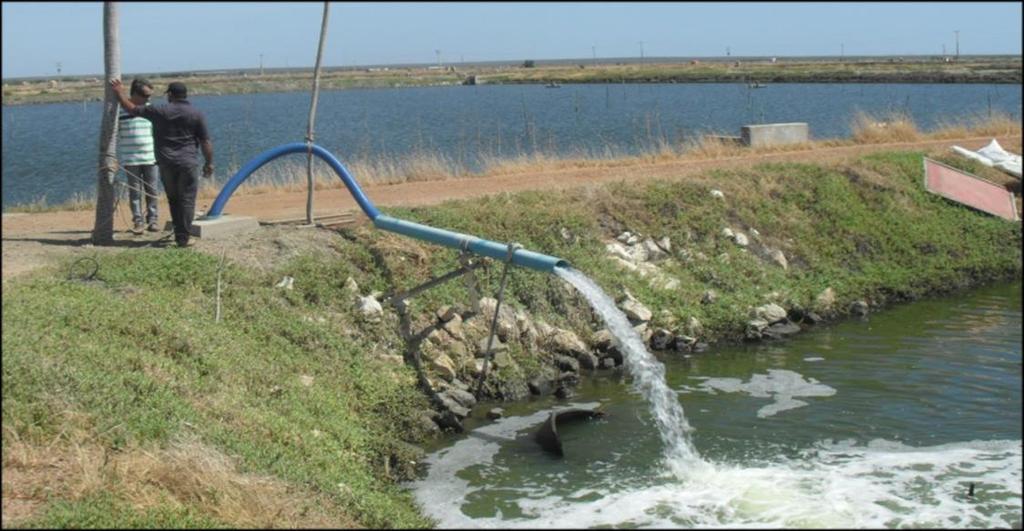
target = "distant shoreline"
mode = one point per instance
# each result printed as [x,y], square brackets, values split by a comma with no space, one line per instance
[763,71]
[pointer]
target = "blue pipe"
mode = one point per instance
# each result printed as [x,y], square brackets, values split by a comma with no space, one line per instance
[455,240]
[295,147]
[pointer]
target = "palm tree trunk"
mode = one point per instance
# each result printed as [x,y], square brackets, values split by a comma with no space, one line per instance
[103,228]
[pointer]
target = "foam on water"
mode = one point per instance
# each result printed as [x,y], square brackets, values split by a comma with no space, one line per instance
[834,484]
[779,384]
[880,484]
[648,375]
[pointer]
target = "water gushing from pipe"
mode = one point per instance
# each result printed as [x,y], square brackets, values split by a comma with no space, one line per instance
[648,375]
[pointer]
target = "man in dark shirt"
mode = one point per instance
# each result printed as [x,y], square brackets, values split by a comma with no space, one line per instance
[180,131]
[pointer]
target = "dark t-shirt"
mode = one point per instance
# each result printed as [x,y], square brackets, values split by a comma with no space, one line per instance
[178,128]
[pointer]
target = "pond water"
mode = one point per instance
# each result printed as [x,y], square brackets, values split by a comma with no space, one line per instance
[884,421]
[50,152]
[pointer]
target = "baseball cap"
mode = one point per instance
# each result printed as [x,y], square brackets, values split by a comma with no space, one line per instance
[177,89]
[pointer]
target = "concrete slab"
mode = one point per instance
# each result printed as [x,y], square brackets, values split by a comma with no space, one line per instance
[775,134]
[224,226]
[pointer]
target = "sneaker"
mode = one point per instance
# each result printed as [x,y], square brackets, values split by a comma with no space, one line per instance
[185,243]
[137,229]
[153,228]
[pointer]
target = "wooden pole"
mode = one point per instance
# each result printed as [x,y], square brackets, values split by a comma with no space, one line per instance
[103,228]
[312,115]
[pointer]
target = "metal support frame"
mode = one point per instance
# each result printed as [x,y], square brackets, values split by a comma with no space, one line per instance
[489,353]
[467,269]
[468,266]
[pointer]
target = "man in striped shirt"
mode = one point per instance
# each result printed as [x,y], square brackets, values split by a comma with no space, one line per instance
[135,142]
[180,134]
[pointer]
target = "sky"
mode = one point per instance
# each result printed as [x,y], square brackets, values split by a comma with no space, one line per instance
[176,36]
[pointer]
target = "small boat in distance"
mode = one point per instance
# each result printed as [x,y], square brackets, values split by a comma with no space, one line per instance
[553,84]
[756,85]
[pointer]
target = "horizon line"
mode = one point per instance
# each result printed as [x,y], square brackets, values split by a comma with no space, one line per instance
[581,61]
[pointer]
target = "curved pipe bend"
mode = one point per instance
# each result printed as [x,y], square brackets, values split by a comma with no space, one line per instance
[295,147]
[455,240]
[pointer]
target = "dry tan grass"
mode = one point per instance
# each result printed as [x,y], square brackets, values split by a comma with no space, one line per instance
[535,162]
[404,248]
[994,125]
[79,201]
[884,128]
[542,162]
[290,175]
[712,147]
[950,130]
[417,167]
[997,125]
[661,150]
[187,472]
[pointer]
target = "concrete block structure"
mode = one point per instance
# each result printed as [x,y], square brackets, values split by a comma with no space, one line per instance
[775,134]
[224,226]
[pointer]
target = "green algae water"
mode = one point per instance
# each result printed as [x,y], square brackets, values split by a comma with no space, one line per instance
[885,421]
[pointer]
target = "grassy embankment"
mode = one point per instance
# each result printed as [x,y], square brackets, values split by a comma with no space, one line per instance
[290,175]
[911,70]
[125,404]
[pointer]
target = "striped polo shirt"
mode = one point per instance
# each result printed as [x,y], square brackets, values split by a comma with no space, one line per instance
[135,140]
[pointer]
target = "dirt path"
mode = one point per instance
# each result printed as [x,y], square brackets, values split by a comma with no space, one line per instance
[33,240]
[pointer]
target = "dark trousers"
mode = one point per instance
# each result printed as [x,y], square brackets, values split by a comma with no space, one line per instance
[181,185]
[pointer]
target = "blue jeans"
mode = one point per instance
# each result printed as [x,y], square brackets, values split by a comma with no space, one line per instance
[181,185]
[142,180]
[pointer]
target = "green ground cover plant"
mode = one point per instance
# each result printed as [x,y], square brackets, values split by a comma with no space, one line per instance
[126,405]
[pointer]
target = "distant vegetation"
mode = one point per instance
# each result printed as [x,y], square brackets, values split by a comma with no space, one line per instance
[996,69]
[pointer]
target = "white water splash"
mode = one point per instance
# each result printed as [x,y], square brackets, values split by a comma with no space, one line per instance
[648,375]
[831,485]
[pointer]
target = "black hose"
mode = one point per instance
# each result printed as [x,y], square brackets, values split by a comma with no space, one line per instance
[85,275]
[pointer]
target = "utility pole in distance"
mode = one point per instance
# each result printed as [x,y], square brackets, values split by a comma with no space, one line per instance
[641,52]
[957,33]
[438,52]
[261,64]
